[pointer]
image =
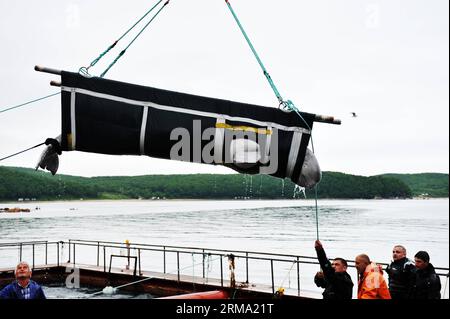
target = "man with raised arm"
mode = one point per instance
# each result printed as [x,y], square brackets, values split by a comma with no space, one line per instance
[333,277]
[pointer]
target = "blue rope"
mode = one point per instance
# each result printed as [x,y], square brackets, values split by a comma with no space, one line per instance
[85,70]
[266,74]
[6,157]
[29,102]
[317,210]
[291,107]
[140,32]
[288,105]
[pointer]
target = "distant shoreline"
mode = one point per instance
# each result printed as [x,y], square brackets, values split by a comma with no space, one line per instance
[210,200]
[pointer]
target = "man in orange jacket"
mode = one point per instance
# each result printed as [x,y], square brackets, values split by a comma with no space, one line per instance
[372,284]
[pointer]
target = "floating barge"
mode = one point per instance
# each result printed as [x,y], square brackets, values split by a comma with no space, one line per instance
[164,271]
[14,210]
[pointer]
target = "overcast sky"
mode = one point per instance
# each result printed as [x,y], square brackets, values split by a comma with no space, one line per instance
[387,61]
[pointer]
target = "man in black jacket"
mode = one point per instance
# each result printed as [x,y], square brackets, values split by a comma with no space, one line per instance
[426,283]
[400,273]
[333,277]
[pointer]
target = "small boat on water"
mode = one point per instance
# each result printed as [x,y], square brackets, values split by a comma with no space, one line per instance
[14,210]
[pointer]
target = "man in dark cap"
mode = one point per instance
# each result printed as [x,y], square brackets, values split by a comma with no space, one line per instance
[401,272]
[426,283]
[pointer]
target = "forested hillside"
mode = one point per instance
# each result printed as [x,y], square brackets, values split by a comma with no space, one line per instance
[16,183]
[425,184]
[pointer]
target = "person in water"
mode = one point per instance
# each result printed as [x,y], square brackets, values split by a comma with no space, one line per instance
[23,287]
[333,277]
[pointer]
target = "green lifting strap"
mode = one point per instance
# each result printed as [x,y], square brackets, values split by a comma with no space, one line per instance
[288,105]
[134,39]
[85,70]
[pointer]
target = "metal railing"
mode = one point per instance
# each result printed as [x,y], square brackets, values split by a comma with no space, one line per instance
[34,245]
[179,251]
[270,258]
[135,251]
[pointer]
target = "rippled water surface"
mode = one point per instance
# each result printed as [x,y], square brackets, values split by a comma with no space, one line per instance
[346,228]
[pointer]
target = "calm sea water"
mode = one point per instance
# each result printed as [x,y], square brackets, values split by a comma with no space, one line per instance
[346,227]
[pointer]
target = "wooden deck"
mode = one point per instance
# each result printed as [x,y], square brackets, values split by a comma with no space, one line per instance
[155,283]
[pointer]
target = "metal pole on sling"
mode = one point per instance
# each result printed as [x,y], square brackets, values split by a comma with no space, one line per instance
[317,117]
[47,70]
[50,71]
[326,119]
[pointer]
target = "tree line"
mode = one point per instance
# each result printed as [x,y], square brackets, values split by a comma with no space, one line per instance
[16,183]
